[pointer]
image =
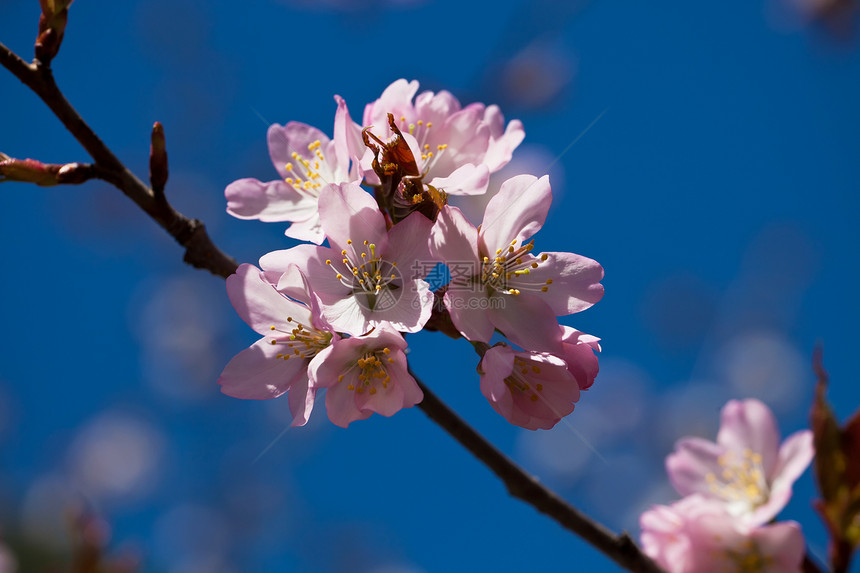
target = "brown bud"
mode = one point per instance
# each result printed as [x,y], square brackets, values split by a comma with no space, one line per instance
[52,27]
[158,160]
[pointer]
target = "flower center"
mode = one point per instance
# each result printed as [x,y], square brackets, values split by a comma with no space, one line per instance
[371,279]
[518,382]
[372,371]
[308,175]
[303,342]
[742,481]
[508,271]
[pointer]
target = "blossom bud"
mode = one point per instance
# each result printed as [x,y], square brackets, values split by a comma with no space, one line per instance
[158,160]
[52,26]
[44,174]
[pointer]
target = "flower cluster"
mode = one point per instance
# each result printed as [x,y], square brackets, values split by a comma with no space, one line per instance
[734,488]
[372,202]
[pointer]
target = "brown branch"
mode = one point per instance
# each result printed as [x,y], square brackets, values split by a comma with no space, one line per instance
[620,548]
[200,251]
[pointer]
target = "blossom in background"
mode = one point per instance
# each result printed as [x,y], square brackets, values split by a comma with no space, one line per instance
[293,337]
[307,160]
[698,535]
[362,281]
[746,469]
[8,564]
[455,148]
[530,389]
[365,374]
[499,283]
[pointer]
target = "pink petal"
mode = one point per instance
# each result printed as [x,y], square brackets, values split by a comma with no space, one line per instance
[300,256]
[575,281]
[396,99]
[795,455]
[257,374]
[467,138]
[293,137]
[783,542]
[526,321]
[502,141]
[496,365]
[301,400]
[467,179]
[693,459]
[345,314]
[349,213]
[347,135]
[340,404]
[410,311]
[308,230]
[556,400]
[578,353]
[468,310]
[436,108]
[749,424]
[517,211]
[454,238]
[269,202]
[323,370]
[258,303]
[408,244]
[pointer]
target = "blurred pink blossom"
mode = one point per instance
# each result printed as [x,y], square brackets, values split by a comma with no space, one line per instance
[747,469]
[698,535]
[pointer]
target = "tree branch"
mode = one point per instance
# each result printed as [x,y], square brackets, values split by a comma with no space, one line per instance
[200,251]
[620,548]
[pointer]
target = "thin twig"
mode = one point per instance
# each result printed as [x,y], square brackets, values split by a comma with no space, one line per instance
[620,548]
[200,251]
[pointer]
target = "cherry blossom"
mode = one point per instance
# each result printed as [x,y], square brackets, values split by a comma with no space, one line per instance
[293,337]
[530,389]
[307,160]
[365,374]
[698,535]
[746,469]
[498,284]
[366,278]
[455,148]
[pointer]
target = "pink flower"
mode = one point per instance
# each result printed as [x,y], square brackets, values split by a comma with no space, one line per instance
[698,535]
[365,374]
[747,469]
[455,148]
[293,338]
[530,389]
[496,281]
[366,278]
[306,160]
